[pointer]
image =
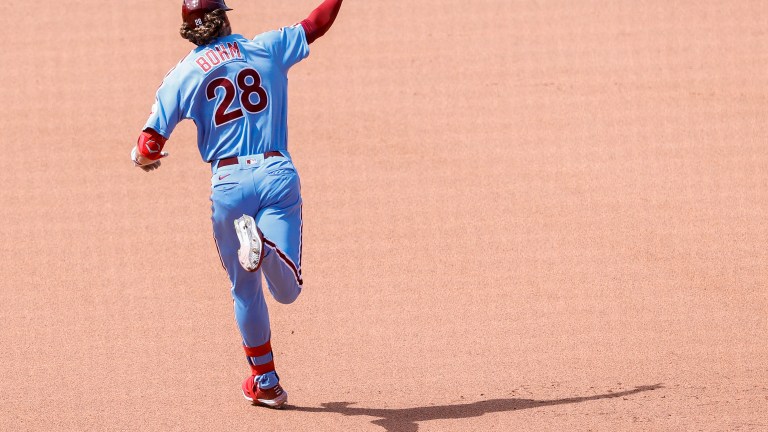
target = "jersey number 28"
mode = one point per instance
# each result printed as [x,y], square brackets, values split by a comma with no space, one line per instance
[246,91]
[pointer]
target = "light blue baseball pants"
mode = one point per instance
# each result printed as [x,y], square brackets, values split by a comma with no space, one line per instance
[270,191]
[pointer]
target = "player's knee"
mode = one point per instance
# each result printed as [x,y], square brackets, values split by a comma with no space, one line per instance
[288,296]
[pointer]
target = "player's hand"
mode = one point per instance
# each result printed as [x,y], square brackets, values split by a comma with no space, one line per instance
[146,163]
[151,167]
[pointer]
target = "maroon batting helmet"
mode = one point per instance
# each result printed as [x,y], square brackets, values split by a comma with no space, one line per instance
[192,11]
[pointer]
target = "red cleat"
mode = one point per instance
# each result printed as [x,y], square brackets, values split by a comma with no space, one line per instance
[275,397]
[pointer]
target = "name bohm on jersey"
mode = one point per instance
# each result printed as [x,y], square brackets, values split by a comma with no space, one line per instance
[218,55]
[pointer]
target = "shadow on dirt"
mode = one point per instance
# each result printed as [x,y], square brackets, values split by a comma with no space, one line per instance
[406,419]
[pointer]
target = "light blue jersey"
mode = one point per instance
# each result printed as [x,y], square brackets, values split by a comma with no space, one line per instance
[236,92]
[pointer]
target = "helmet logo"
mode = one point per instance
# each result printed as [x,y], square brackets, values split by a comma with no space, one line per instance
[198,22]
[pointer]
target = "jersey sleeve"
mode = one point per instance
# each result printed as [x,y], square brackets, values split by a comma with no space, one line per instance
[288,45]
[167,110]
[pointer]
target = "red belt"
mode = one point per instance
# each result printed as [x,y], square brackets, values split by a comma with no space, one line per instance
[234,161]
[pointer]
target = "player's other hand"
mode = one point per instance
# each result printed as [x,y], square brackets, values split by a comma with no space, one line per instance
[144,162]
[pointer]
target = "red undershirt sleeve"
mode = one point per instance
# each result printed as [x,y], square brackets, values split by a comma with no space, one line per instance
[321,19]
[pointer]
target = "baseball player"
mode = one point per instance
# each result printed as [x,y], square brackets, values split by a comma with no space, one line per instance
[235,90]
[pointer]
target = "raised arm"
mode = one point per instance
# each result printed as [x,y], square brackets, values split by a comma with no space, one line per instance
[321,19]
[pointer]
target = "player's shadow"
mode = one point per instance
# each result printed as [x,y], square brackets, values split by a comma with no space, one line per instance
[407,419]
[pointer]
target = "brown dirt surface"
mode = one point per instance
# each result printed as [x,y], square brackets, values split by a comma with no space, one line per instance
[519,215]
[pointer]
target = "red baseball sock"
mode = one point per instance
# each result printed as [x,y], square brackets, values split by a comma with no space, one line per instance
[260,358]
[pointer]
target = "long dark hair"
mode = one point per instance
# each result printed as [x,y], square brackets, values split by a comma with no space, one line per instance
[214,25]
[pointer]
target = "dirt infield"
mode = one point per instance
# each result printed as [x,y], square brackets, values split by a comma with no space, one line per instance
[531,215]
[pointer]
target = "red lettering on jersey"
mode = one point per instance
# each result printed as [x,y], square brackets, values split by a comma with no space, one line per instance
[211,54]
[204,65]
[234,50]
[223,53]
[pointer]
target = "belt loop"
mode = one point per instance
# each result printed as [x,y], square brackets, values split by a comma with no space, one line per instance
[253,160]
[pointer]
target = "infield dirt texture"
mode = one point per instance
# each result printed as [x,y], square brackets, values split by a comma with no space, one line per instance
[519,215]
